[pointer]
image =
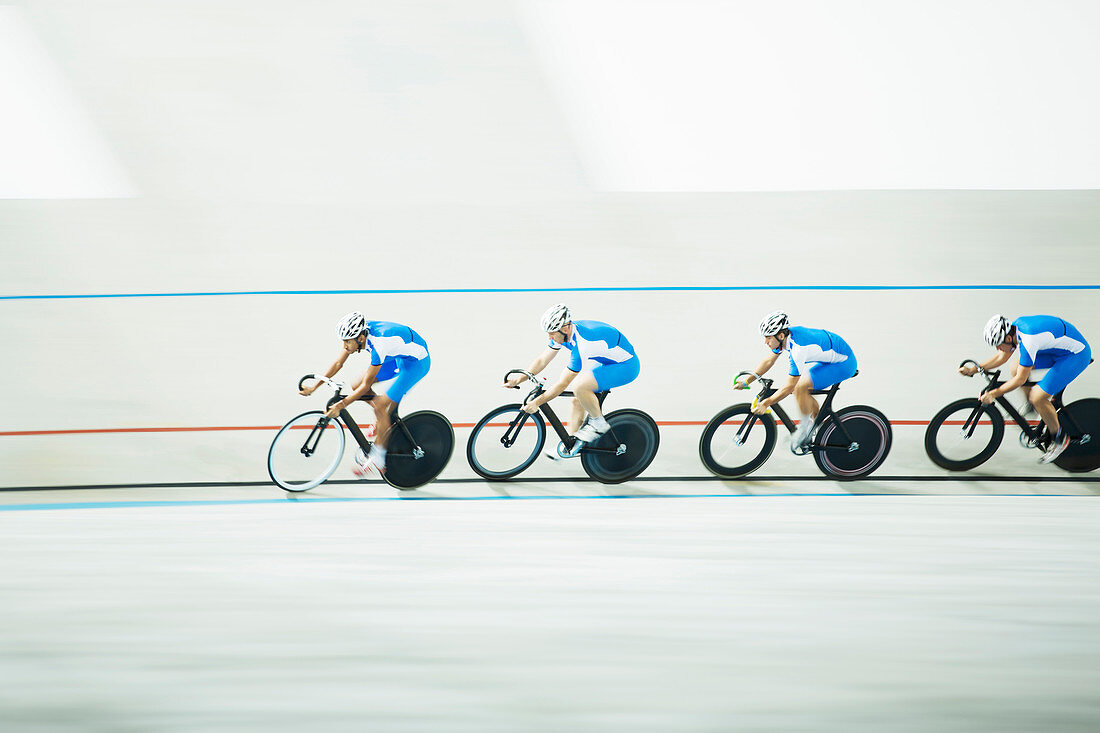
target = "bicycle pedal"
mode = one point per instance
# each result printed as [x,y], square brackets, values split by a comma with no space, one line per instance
[564,454]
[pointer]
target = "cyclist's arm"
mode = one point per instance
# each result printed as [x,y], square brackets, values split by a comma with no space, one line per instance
[762,369]
[1016,382]
[567,376]
[537,366]
[329,373]
[369,377]
[785,390]
[996,360]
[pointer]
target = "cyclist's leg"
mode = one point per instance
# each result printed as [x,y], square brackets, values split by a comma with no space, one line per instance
[1038,371]
[819,376]
[823,375]
[584,388]
[604,377]
[577,416]
[807,405]
[409,372]
[1057,378]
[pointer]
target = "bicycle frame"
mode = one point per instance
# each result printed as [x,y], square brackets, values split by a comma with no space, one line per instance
[826,411]
[567,440]
[1034,433]
[353,427]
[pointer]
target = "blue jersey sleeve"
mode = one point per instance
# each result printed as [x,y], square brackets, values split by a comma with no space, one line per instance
[574,360]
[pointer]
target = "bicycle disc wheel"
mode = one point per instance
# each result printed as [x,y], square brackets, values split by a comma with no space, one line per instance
[487,452]
[723,455]
[304,452]
[1085,418]
[952,446]
[413,464]
[631,445]
[871,438]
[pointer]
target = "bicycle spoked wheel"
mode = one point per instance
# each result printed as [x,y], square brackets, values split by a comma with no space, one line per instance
[413,463]
[505,442]
[625,450]
[305,451]
[1085,418]
[871,437]
[721,450]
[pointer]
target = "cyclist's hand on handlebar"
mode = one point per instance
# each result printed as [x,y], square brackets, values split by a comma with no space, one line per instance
[334,411]
[307,391]
[987,397]
[760,407]
[741,383]
[968,370]
[513,381]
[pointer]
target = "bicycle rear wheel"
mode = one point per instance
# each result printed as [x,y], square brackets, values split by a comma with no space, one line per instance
[964,435]
[505,442]
[413,463]
[1084,420]
[871,437]
[720,450]
[305,451]
[625,450]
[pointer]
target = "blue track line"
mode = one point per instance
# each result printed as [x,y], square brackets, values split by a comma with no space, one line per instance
[600,289]
[330,500]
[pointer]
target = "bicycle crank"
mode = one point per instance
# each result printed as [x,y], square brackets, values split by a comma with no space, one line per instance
[563,453]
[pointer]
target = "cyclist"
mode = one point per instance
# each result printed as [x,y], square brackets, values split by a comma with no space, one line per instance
[398,360]
[600,358]
[818,360]
[1047,343]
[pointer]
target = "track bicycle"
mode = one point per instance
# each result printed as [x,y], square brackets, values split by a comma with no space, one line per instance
[307,450]
[847,444]
[508,440]
[966,433]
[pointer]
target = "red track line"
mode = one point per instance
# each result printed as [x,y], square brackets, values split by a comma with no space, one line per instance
[16,433]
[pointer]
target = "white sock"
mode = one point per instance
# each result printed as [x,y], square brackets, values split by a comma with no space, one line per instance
[378,454]
[599,422]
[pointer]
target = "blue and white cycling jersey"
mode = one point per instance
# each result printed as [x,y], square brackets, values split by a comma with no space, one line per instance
[807,346]
[594,344]
[390,342]
[1046,339]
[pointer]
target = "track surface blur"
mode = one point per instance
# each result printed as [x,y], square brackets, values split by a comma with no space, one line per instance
[834,613]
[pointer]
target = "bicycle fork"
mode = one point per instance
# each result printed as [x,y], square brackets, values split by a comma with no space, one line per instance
[310,444]
[971,423]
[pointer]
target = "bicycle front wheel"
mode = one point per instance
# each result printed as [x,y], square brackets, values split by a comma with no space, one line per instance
[420,452]
[305,451]
[625,450]
[964,435]
[1082,420]
[736,442]
[505,442]
[870,439]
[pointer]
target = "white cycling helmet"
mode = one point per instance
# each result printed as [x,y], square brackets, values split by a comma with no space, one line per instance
[555,318]
[351,325]
[773,323]
[996,330]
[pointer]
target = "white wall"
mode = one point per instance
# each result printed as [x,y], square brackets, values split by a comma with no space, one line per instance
[419,148]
